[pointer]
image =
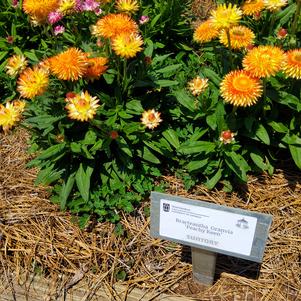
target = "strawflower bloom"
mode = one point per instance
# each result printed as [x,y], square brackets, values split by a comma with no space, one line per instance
[205,32]
[69,65]
[127,45]
[227,137]
[198,85]
[274,5]
[82,107]
[39,10]
[264,61]
[114,135]
[282,33]
[226,16]
[16,64]
[67,7]
[32,82]
[143,19]
[252,7]
[96,67]
[292,65]
[240,37]
[54,17]
[240,89]
[10,39]
[127,6]
[90,5]
[151,119]
[59,29]
[15,3]
[114,24]
[10,114]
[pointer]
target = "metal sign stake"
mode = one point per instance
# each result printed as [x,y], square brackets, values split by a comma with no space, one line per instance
[203,265]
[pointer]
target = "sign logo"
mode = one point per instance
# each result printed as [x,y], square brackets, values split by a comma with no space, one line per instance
[166,207]
[242,223]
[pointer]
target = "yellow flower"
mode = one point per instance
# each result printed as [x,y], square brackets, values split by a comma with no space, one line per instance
[252,7]
[127,6]
[240,89]
[10,114]
[32,82]
[205,32]
[240,37]
[114,24]
[96,67]
[292,65]
[82,106]
[264,61]
[39,9]
[69,65]
[274,5]
[16,64]
[127,45]
[67,6]
[151,119]
[225,16]
[198,85]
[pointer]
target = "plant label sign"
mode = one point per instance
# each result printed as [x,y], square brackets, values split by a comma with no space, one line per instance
[209,229]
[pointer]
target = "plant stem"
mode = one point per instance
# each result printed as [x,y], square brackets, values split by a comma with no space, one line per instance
[229,46]
[272,23]
[296,17]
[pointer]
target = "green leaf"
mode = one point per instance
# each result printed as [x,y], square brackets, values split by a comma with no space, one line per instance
[214,180]
[296,154]
[134,107]
[196,165]
[149,156]
[97,146]
[83,177]
[195,147]
[185,100]
[31,55]
[75,147]
[155,20]
[262,134]
[211,75]
[257,158]
[171,136]
[166,83]
[237,164]
[291,139]
[53,150]
[169,68]
[48,175]
[278,127]
[65,190]
[90,138]
[124,146]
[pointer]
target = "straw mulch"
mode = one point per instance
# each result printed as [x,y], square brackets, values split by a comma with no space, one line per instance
[36,237]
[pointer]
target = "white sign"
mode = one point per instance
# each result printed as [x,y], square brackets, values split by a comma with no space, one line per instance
[207,227]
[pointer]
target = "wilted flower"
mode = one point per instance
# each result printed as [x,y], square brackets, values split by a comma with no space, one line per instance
[127,6]
[54,17]
[151,119]
[264,61]
[292,65]
[274,5]
[32,82]
[127,45]
[143,19]
[59,29]
[240,89]
[69,65]
[198,85]
[205,32]
[227,137]
[16,64]
[225,16]
[240,37]
[82,106]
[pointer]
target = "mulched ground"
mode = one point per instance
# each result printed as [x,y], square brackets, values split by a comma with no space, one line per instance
[35,237]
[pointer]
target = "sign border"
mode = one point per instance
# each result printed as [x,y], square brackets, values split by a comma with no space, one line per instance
[264,222]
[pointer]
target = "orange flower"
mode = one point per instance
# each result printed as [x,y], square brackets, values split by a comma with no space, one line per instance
[82,106]
[39,10]
[264,61]
[127,45]
[205,32]
[32,82]
[96,67]
[198,85]
[114,24]
[292,65]
[151,119]
[69,65]
[225,16]
[240,37]
[252,7]
[240,89]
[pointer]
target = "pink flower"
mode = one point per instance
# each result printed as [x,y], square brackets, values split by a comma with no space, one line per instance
[54,17]
[90,5]
[98,11]
[143,19]
[10,39]
[15,3]
[59,29]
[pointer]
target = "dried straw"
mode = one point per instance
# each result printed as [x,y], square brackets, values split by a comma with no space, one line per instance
[36,238]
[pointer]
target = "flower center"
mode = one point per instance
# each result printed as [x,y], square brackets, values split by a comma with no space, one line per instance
[241,83]
[82,105]
[238,32]
[297,58]
[151,117]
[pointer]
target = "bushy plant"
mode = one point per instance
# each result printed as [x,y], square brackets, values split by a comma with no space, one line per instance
[119,92]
